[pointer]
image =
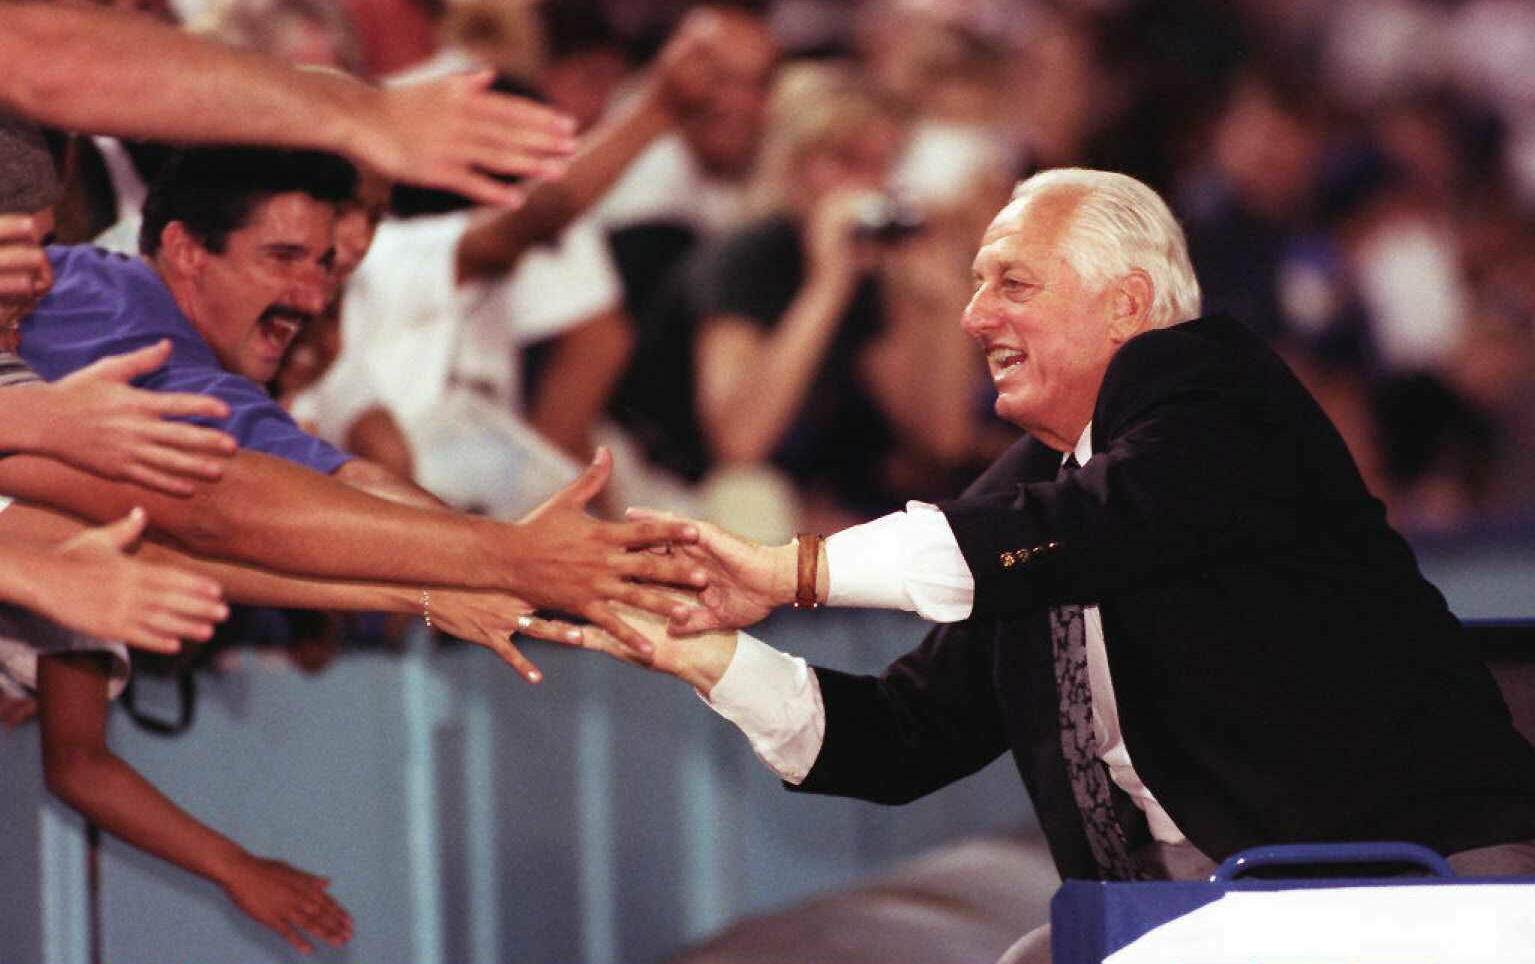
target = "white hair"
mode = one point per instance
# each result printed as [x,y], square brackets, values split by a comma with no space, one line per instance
[1118,225]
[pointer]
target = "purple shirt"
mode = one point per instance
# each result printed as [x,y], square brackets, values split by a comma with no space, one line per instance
[106,304]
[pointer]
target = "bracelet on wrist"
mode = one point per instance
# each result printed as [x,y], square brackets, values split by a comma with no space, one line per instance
[805,595]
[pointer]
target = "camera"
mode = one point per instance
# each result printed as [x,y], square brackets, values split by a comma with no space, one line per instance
[887,219]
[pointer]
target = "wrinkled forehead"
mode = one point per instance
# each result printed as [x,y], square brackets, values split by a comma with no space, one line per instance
[1042,214]
[1029,226]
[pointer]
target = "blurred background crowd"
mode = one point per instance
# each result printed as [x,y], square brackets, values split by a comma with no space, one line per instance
[746,282]
[760,315]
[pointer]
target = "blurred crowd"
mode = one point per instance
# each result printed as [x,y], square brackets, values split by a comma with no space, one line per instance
[732,250]
[755,303]
[749,290]
[759,312]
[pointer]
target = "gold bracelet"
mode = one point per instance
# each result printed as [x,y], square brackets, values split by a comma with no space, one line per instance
[426,607]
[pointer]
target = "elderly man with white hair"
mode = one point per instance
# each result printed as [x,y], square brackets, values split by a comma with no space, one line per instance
[1174,602]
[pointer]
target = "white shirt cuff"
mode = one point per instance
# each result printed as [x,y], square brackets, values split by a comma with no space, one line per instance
[906,560]
[775,700]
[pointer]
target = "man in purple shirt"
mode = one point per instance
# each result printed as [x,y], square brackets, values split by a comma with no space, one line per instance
[238,248]
[228,277]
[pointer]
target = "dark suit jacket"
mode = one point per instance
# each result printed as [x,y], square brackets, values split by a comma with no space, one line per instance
[1283,672]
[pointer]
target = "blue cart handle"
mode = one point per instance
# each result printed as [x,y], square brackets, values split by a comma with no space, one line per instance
[1343,853]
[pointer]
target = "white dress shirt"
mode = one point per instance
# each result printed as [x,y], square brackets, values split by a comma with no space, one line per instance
[906,560]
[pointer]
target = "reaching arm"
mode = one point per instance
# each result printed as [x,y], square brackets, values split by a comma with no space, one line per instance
[753,382]
[485,617]
[495,241]
[584,366]
[682,77]
[115,73]
[275,514]
[84,579]
[94,419]
[81,770]
[377,437]
[374,479]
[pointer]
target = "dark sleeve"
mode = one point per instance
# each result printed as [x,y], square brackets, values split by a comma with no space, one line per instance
[931,718]
[1197,464]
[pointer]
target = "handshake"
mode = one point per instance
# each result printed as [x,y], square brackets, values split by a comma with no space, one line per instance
[744,582]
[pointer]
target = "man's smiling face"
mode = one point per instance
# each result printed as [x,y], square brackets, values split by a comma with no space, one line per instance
[1045,332]
[272,277]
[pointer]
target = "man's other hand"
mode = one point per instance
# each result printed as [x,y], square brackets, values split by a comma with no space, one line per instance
[573,563]
[492,619]
[456,133]
[90,584]
[746,580]
[95,420]
[698,660]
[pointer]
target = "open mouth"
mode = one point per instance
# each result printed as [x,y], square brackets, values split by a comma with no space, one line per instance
[1004,361]
[279,326]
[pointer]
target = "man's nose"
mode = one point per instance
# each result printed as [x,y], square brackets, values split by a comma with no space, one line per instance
[979,315]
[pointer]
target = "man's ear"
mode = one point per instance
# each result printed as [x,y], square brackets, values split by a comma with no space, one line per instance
[1132,305]
[179,251]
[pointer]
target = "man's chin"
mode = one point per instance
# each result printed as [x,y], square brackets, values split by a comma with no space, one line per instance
[1012,410]
[260,372]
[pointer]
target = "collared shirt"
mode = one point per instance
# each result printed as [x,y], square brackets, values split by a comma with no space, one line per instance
[906,560]
[106,304]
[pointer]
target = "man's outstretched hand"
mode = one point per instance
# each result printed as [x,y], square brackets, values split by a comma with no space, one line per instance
[96,420]
[698,660]
[494,619]
[746,580]
[456,133]
[576,564]
[91,584]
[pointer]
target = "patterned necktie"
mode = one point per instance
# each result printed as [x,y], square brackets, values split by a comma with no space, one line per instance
[1090,784]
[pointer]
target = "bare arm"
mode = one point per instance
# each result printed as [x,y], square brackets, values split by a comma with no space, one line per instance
[485,617]
[377,437]
[275,514]
[682,77]
[922,371]
[752,383]
[497,239]
[584,366]
[84,579]
[116,73]
[95,420]
[374,479]
[81,770]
